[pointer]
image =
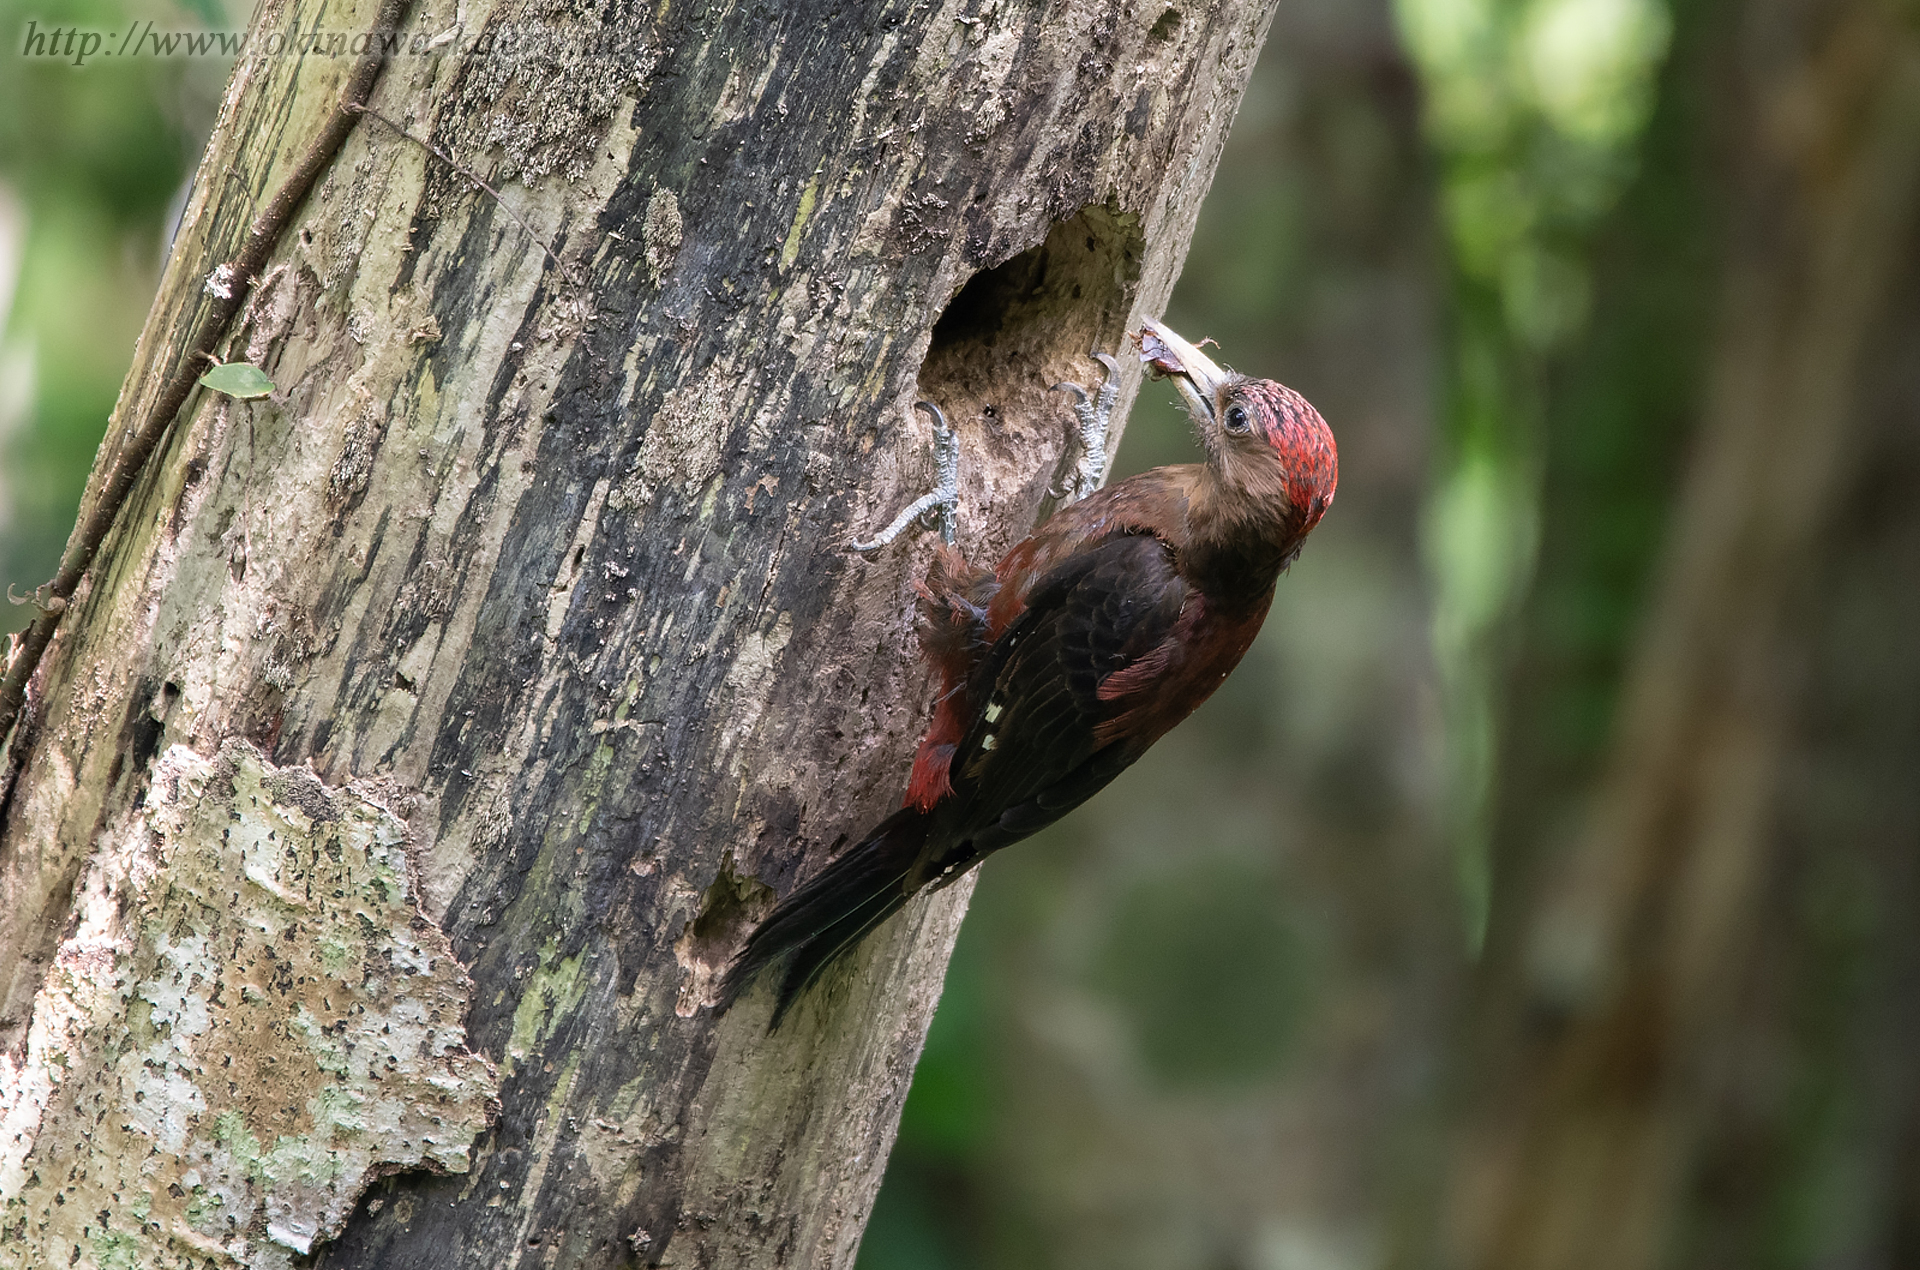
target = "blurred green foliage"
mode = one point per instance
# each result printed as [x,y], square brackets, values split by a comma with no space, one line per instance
[91,160]
[1613,427]
[1534,109]
[1213,979]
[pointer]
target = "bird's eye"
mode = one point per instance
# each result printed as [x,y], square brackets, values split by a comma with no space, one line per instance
[1237,420]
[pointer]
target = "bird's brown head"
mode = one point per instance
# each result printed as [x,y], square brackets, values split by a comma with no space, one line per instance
[1269,452]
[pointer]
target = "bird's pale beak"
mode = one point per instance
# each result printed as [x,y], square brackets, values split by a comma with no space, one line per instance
[1165,354]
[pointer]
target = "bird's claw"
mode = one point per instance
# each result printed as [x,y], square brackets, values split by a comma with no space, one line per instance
[938,508]
[1092,413]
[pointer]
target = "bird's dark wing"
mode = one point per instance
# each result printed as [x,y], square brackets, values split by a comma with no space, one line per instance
[1035,749]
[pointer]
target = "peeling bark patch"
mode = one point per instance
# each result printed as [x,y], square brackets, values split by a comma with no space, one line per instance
[546,88]
[750,680]
[683,441]
[358,448]
[728,910]
[660,233]
[252,985]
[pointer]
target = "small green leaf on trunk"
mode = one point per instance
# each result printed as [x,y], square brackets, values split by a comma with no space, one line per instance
[238,379]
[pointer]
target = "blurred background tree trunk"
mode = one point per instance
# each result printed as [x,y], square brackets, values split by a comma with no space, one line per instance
[1694,953]
[433,730]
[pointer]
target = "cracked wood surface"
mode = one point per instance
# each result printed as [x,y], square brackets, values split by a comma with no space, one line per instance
[557,570]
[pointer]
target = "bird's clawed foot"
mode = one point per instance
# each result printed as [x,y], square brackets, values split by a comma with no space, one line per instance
[1093,411]
[941,506]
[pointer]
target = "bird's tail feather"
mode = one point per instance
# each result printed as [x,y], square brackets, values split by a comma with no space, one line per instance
[829,915]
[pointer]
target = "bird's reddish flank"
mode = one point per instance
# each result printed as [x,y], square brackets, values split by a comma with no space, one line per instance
[1085,644]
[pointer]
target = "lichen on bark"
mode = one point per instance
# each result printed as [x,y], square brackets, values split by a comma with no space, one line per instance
[252,987]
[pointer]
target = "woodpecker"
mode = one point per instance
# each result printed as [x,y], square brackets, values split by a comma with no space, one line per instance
[1084,645]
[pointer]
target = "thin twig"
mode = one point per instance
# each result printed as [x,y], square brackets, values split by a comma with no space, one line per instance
[476,178]
[229,286]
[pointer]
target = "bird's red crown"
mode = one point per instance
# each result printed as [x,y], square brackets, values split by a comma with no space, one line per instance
[1300,437]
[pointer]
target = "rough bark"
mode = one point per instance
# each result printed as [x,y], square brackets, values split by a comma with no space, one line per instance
[1617,982]
[441,722]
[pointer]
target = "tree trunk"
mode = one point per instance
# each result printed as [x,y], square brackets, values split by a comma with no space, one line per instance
[431,731]
[1616,984]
